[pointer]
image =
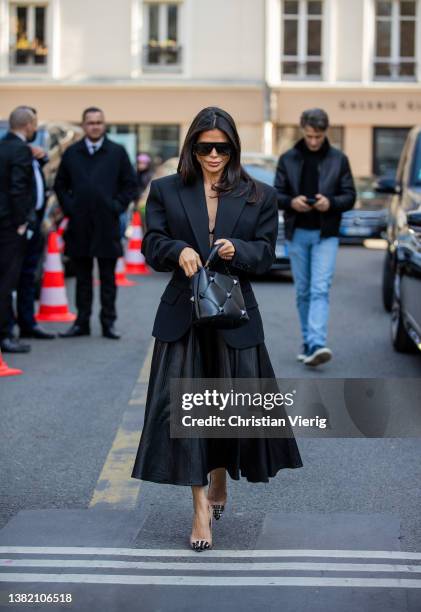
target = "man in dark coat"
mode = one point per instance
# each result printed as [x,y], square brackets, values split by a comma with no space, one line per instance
[95,183]
[16,210]
[315,186]
[26,289]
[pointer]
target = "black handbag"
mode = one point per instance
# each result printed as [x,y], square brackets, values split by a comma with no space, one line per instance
[217,298]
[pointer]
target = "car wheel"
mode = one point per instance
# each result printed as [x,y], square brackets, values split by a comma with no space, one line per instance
[388,280]
[401,340]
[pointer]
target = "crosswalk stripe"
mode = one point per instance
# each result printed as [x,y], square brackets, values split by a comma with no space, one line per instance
[206,566]
[230,581]
[224,553]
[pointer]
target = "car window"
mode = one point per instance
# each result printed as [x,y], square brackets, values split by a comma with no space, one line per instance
[260,173]
[415,179]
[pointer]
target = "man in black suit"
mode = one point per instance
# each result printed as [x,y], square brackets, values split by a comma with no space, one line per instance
[16,214]
[26,289]
[95,183]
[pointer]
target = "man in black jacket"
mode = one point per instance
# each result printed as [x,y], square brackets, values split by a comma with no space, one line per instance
[95,183]
[26,289]
[16,208]
[315,186]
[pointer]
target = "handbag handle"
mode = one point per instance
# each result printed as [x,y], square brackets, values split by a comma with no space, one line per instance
[212,258]
[212,255]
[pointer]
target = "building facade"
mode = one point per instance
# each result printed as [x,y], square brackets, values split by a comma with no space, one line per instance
[152,64]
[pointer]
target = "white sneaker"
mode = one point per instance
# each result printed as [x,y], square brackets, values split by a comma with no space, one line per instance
[318,355]
[303,354]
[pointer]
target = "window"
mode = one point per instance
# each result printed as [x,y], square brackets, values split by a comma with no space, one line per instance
[162,24]
[388,144]
[395,39]
[302,39]
[28,37]
[288,135]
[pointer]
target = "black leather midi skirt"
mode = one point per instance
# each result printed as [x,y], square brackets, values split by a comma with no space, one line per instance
[203,353]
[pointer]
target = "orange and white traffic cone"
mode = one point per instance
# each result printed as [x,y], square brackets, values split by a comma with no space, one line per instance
[121,279]
[53,301]
[5,370]
[135,262]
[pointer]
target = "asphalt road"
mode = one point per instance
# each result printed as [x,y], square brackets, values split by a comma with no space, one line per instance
[59,420]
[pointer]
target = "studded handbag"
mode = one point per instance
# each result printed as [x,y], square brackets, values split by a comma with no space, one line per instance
[217,298]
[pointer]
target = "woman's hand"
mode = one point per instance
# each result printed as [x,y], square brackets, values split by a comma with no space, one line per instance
[227,250]
[189,261]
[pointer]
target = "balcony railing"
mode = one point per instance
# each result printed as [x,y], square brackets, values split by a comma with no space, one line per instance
[403,70]
[294,68]
[162,57]
[32,57]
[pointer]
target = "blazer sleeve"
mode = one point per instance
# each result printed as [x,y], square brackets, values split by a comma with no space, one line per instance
[282,185]
[21,177]
[161,251]
[128,189]
[256,256]
[63,186]
[346,195]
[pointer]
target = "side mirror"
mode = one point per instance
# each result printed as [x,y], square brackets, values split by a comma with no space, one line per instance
[414,220]
[387,184]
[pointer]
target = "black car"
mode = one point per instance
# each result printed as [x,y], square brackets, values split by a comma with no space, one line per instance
[368,217]
[263,168]
[402,265]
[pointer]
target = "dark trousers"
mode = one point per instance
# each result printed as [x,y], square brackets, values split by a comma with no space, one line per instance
[26,288]
[84,289]
[12,250]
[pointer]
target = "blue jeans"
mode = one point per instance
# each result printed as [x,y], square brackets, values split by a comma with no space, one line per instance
[313,262]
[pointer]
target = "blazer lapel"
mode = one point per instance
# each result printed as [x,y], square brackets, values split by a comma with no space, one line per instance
[230,207]
[194,203]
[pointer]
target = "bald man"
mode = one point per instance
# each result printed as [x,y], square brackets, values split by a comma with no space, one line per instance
[16,206]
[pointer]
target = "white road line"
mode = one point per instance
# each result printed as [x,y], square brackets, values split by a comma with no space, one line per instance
[219,566]
[221,553]
[214,580]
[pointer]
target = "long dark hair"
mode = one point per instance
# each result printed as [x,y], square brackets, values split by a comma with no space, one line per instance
[233,175]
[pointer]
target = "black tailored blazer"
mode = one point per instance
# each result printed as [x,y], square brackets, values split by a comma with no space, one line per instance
[176,217]
[93,190]
[17,182]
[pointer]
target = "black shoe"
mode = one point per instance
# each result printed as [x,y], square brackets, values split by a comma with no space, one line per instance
[37,332]
[110,332]
[76,330]
[12,345]
[318,355]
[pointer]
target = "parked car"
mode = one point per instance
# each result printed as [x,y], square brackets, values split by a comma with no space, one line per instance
[368,217]
[262,168]
[402,264]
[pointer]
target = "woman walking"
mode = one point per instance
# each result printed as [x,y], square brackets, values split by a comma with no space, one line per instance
[211,200]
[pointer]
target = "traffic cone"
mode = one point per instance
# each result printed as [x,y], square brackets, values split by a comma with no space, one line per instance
[53,300]
[121,279]
[60,232]
[5,370]
[135,262]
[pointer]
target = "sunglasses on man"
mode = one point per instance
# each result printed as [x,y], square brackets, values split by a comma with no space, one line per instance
[205,148]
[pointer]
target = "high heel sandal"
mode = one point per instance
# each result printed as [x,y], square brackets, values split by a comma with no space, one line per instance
[199,545]
[218,508]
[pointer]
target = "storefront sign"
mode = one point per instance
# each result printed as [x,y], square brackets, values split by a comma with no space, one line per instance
[378,105]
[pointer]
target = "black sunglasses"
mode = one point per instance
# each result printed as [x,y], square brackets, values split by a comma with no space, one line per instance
[205,148]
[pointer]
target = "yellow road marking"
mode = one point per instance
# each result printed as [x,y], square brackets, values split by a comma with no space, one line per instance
[115,487]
